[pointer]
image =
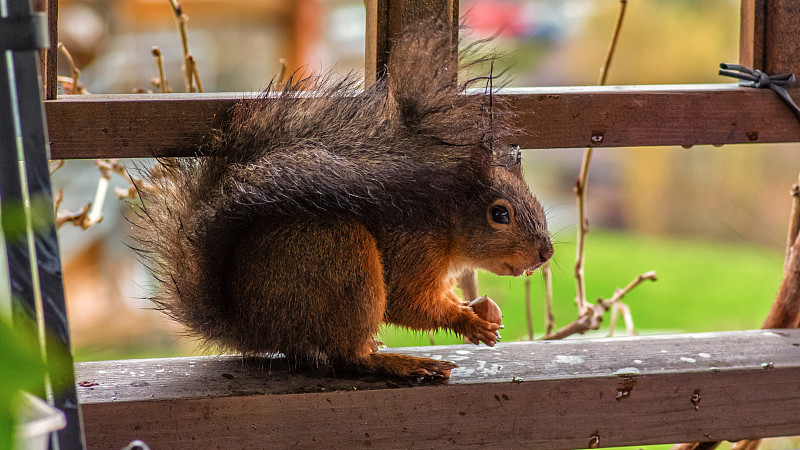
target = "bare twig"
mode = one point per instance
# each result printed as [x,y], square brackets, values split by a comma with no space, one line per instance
[160,82]
[130,193]
[57,199]
[583,177]
[549,319]
[190,60]
[55,165]
[92,213]
[281,71]
[77,219]
[74,86]
[190,73]
[594,314]
[794,225]
[627,318]
[95,215]
[528,314]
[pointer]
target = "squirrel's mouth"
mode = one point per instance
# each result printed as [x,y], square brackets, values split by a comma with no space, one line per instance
[513,271]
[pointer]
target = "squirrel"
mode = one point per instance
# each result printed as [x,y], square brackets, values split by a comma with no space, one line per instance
[323,209]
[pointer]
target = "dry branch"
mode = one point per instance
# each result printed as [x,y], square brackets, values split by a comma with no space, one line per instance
[71,85]
[627,318]
[55,165]
[794,225]
[190,73]
[528,313]
[593,316]
[583,178]
[281,70]
[549,320]
[160,82]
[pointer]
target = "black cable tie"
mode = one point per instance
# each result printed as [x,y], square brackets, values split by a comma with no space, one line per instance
[758,79]
[24,33]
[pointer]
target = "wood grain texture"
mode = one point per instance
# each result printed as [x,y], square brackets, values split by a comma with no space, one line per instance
[557,394]
[135,126]
[782,37]
[751,33]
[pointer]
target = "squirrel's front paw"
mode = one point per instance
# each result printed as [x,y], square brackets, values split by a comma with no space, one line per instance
[478,330]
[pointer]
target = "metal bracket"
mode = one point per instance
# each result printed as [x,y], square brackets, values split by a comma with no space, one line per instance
[24,33]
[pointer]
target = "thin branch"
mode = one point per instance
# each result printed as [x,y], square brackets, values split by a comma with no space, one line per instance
[528,314]
[57,199]
[627,318]
[55,165]
[583,178]
[594,314]
[794,225]
[76,219]
[281,71]
[195,72]
[613,44]
[190,73]
[160,82]
[550,320]
[74,86]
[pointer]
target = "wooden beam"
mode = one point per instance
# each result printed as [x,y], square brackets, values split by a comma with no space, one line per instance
[556,394]
[134,126]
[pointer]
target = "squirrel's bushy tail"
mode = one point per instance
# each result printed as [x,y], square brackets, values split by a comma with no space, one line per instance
[316,148]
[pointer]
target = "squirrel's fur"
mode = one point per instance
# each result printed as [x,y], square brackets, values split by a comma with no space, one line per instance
[322,210]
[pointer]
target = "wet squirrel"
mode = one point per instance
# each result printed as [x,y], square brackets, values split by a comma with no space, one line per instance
[322,210]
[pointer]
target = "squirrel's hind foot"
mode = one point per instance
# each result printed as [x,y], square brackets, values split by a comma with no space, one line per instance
[405,366]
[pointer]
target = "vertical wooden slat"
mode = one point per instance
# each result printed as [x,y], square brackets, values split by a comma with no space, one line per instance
[782,37]
[751,33]
[386,19]
[770,35]
[48,58]
[376,40]
[51,72]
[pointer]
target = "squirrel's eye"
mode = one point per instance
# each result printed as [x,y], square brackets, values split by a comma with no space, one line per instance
[500,214]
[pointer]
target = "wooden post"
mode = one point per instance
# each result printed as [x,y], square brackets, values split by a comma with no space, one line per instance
[48,58]
[770,36]
[386,19]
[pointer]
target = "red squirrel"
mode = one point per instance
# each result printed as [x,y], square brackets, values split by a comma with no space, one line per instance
[322,210]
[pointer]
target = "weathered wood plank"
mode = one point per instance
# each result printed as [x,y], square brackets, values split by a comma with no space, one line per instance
[133,126]
[624,391]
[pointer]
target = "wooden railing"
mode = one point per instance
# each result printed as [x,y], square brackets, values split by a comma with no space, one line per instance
[548,394]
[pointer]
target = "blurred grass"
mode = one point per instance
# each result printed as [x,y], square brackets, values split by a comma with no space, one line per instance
[702,286]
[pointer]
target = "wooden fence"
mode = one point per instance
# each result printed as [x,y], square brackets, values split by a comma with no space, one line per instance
[684,388]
